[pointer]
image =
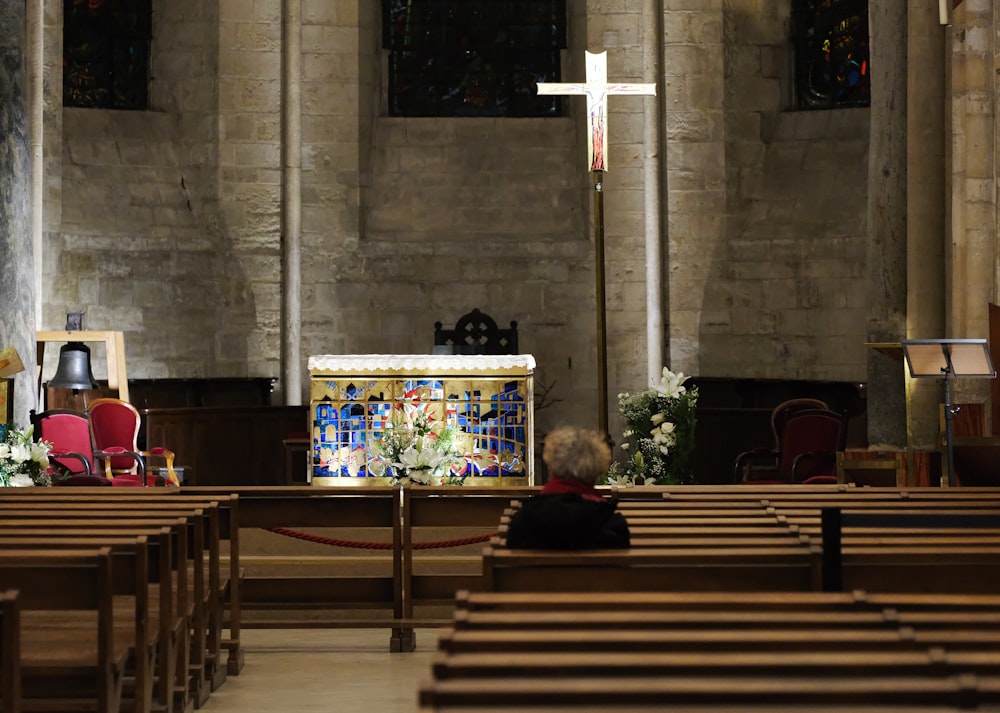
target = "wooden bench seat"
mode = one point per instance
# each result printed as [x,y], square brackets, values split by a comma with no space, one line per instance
[226,529]
[167,627]
[713,619]
[621,707]
[187,578]
[10,652]
[726,601]
[792,567]
[135,606]
[75,581]
[701,651]
[751,640]
[715,690]
[909,556]
[797,664]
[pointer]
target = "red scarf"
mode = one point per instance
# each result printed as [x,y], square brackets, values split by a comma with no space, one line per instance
[558,485]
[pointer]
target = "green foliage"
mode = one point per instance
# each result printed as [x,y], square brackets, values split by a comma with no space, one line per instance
[659,433]
[415,449]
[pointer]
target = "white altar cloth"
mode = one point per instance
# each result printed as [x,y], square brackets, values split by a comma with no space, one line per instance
[426,363]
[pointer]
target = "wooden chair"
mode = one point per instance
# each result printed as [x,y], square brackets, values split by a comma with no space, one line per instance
[72,455]
[114,427]
[813,437]
[764,459]
[477,333]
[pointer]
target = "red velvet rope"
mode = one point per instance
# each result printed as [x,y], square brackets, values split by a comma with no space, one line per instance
[354,544]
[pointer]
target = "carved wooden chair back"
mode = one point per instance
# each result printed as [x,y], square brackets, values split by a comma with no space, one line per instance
[477,333]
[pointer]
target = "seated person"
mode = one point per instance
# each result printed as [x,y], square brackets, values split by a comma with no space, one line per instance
[569,513]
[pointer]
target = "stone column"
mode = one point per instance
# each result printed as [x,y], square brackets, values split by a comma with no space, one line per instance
[926,191]
[17,291]
[653,172]
[694,80]
[887,222]
[970,258]
[291,201]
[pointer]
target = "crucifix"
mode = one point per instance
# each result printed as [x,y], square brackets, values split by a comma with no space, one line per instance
[597,89]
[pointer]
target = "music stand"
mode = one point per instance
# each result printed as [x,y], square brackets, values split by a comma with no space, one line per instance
[948,358]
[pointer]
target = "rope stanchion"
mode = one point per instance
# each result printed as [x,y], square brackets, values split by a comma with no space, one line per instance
[453,543]
[355,544]
[333,542]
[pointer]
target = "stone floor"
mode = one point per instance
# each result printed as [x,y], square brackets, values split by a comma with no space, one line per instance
[325,670]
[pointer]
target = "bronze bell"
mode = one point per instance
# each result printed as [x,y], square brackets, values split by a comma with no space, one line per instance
[74,370]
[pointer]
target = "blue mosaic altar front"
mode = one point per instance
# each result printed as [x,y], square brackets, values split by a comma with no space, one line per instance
[350,415]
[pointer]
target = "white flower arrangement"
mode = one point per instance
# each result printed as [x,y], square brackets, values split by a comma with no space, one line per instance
[659,433]
[415,449]
[23,461]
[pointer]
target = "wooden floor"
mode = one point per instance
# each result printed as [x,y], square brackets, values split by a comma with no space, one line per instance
[325,670]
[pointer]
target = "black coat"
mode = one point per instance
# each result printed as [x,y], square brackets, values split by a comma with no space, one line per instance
[567,521]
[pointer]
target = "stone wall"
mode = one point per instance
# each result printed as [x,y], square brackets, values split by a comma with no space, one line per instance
[138,245]
[767,206]
[167,223]
[17,286]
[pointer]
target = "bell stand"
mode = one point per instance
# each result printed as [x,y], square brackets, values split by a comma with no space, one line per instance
[114,343]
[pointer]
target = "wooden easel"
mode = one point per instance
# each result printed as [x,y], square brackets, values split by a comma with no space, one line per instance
[114,343]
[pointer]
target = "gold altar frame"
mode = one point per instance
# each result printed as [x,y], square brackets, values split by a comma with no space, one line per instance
[398,368]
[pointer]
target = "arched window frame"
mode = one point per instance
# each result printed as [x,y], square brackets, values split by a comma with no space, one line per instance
[453,58]
[830,43]
[106,47]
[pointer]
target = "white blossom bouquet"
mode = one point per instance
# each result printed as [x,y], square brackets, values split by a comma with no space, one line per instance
[415,449]
[659,433]
[23,461]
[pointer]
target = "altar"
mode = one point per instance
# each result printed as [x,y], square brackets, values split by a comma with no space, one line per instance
[356,399]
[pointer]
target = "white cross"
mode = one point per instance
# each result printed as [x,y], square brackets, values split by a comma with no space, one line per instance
[597,90]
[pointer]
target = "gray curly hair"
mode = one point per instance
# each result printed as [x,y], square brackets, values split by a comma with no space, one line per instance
[576,453]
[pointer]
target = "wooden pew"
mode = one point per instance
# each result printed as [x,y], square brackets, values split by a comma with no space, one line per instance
[451,514]
[622,707]
[75,662]
[712,692]
[909,558]
[789,568]
[800,664]
[188,537]
[229,584]
[214,585]
[369,509]
[748,640]
[860,600]
[153,611]
[10,652]
[168,543]
[883,647]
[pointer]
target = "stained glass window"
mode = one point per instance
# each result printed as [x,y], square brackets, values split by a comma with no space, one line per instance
[472,57]
[832,67]
[106,53]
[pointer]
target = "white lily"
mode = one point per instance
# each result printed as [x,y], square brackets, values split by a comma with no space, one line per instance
[19,453]
[671,385]
[421,457]
[40,452]
[621,480]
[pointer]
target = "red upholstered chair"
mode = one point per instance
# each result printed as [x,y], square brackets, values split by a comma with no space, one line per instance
[72,456]
[765,464]
[809,449]
[114,427]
